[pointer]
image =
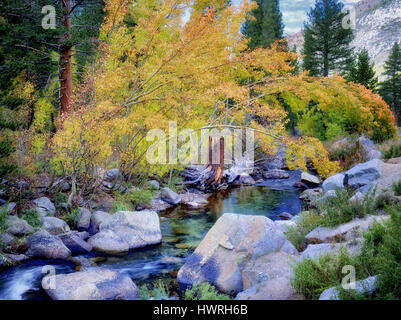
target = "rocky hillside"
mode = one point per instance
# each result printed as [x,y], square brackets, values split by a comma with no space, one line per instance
[378,26]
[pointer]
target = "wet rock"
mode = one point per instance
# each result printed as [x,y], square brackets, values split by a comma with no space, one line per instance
[310,194]
[269,278]
[170,196]
[127,230]
[75,243]
[54,225]
[310,179]
[234,240]
[300,185]
[276,174]
[81,262]
[16,259]
[159,205]
[45,245]
[285,216]
[84,235]
[84,219]
[343,232]
[45,207]
[93,284]
[368,285]
[108,242]
[334,182]
[246,180]
[18,227]
[194,200]
[97,218]
[364,173]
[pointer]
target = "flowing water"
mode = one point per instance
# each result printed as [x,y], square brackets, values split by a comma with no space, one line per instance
[182,230]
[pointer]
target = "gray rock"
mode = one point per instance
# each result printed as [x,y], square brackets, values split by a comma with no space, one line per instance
[268,278]
[310,194]
[285,225]
[10,207]
[276,174]
[154,184]
[310,179]
[6,239]
[18,227]
[170,196]
[127,230]
[45,245]
[233,241]
[108,242]
[347,231]
[75,243]
[112,175]
[246,180]
[93,284]
[54,225]
[368,285]
[334,182]
[314,251]
[357,197]
[97,218]
[368,148]
[194,200]
[45,206]
[364,173]
[84,219]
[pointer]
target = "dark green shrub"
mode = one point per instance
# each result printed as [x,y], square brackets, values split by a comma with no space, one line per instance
[32,217]
[312,277]
[6,149]
[204,291]
[338,210]
[159,291]
[296,235]
[397,188]
[393,152]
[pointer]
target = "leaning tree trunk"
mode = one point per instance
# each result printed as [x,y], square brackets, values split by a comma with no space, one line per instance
[65,60]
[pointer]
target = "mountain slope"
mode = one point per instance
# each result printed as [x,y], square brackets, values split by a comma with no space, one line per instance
[378,26]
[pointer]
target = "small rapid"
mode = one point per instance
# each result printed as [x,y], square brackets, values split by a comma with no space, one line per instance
[182,229]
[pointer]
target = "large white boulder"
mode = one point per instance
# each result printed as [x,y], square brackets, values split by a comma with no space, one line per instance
[127,230]
[92,284]
[232,242]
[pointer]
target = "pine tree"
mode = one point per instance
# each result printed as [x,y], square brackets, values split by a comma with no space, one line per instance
[390,88]
[267,25]
[326,46]
[361,71]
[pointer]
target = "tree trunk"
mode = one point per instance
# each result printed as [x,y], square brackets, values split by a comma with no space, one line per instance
[65,61]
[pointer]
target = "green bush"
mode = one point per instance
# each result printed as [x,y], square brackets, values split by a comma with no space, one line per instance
[128,201]
[397,188]
[159,291]
[59,198]
[3,217]
[338,210]
[380,255]
[312,277]
[296,235]
[71,217]
[393,152]
[204,291]
[6,149]
[32,217]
